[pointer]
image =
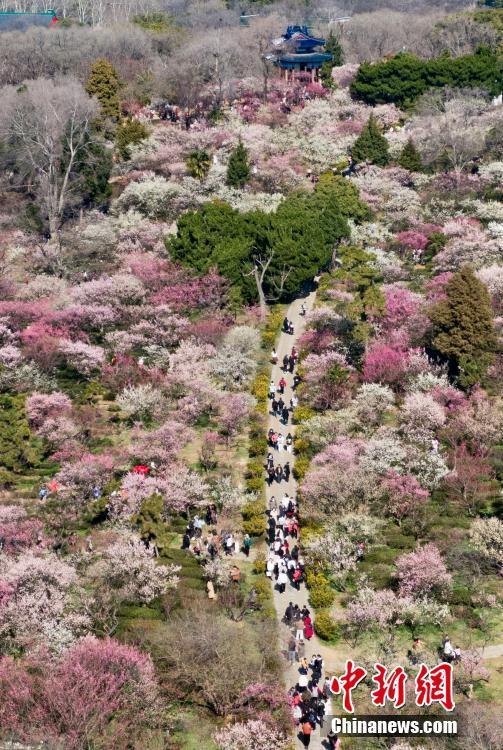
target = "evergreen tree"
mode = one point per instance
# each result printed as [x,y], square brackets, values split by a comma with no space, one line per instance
[238,170]
[463,333]
[103,83]
[198,163]
[18,448]
[334,47]
[371,145]
[130,132]
[410,158]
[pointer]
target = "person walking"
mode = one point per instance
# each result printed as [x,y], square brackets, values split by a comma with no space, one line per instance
[289,442]
[282,386]
[274,357]
[282,581]
[306,731]
[274,406]
[285,363]
[247,543]
[285,415]
[292,650]
[272,389]
[281,441]
[279,474]
[286,471]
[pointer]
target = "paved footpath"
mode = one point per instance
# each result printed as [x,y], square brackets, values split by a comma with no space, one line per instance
[314,646]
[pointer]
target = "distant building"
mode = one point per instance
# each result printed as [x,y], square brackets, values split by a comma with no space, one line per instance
[298,51]
[23,21]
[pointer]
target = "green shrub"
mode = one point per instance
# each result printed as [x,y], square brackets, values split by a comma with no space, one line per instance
[302,414]
[400,541]
[259,566]
[258,447]
[460,596]
[255,484]
[315,579]
[263,588]
[381,554]
[381,576]
[260,386]
[268,339]
[255,469]
[300,467]
[321,596]
[325,626]
[252,508]
[255,525]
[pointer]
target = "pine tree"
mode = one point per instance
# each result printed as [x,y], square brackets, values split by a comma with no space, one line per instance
[19,449]
[463,333]
[410,158]
[371,145]
[334,47]
[238,170]
[103,83]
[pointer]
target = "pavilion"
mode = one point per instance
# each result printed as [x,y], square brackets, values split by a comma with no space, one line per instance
[299,51]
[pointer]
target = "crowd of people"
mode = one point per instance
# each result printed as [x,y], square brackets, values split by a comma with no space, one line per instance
[213,543]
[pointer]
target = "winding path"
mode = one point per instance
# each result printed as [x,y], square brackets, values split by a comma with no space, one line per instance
[314,646]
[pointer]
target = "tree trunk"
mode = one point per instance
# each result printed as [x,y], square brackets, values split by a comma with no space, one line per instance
[261,295]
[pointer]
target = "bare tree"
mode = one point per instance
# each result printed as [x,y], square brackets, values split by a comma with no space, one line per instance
[277,282]
[451,127]
[47,125]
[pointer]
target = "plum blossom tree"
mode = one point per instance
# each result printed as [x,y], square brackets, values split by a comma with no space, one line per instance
[140,401]
[326,378]
[234,410]
[42,406]
[36,594]
[404,495]
[470,481]
[99,690]
[423,573]
[384,609]
[384,364]
[85,358]
[486,535]
[253,733]
[422,416]
[184,489]
[372,402]
[129,567]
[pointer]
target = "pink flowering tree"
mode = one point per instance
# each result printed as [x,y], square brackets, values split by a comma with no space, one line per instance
[43,406]
[423,573]
[86,359]
[403,309]
[100,690]
[404,495]
[234,410]
[77,478]
[383,364]
[251,734]
[327,378]
[161,445]
[36,595]
[184,489]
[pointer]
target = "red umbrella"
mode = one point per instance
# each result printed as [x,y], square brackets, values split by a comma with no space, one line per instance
[143,470]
